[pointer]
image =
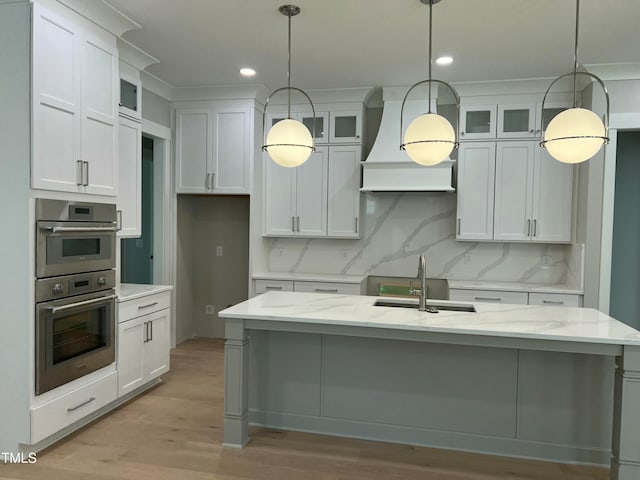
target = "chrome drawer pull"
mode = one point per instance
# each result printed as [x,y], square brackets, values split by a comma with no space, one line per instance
[269,287]
[553,302]
[73,409]
[489,299]
[141,307]
[80,229]
[327,290]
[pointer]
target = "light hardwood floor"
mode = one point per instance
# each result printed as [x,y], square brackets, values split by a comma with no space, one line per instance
[175,432]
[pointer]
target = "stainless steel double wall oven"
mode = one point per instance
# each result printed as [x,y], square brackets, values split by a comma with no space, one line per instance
[75,290]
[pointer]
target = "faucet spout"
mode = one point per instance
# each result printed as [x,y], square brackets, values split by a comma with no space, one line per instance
[422,275]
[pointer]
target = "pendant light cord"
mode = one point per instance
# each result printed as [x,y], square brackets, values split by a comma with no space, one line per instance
[575,56]
[289,69]
[430,47]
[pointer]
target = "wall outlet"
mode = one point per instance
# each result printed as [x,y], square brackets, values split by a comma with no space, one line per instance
[280,252]
[219,251]
[344,254]
[209,309]
[546,260]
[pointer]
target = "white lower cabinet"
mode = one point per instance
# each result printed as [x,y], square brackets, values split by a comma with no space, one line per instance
[129,199]
[264,286]
[488,296]
[143,341]
[327,287]
[67,409]
[518,298]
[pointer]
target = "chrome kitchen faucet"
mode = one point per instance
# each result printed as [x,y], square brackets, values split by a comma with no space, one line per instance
[422,291]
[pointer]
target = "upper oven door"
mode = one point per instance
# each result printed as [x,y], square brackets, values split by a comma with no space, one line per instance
[73,247]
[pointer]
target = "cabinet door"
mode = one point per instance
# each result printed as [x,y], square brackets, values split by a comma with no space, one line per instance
[56,98]
[311,195]
[552,199]
[194,151]
[130,363]
[321,133]
[100,112]
[231,169]
[156,349]
[345,127]
[516,121]
[477,121]
[488,296]
[476,175]
[513,196]
[343,199]
[279,198]
[130,178]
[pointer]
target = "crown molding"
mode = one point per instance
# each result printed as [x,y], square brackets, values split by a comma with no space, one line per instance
[134,56]
[157,85]
[103,14]
[615,71]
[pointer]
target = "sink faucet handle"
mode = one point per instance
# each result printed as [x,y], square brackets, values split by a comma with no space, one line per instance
[412,289]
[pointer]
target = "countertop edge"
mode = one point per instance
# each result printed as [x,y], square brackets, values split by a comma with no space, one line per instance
[144,291]
[310,277]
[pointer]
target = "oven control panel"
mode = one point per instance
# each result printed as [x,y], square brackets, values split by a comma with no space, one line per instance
[70,285]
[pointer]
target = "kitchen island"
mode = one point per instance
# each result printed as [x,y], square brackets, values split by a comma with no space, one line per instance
[517,380]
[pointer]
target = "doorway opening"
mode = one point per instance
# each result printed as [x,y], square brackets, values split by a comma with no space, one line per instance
[137,253]
[625,256]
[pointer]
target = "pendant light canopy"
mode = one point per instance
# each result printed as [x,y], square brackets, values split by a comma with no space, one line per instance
[576,134]
[289,143]
[430,138]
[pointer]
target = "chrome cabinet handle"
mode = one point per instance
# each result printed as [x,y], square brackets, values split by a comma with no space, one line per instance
[142,307]
[489,299]
[269,287]
[462,134]
[80,172]
[81,304]
[535,226]
[293,224]
[356,224]
[553,302]
[212,184]
[206,182]
[298,224]
[458,226]
[151,331]
[327,290]
[87,402]
[528,227]
[118,220]
[79,229]
[146,332]
[86,170]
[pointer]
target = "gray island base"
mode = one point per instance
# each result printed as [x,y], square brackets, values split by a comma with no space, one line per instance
[553,383]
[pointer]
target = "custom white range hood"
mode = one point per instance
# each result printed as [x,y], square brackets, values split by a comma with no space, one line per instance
[389,169]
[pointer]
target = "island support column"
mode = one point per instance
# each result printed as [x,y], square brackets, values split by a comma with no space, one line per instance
[236,384]
[625,463]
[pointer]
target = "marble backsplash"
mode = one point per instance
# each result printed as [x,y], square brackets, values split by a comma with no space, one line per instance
[400,226]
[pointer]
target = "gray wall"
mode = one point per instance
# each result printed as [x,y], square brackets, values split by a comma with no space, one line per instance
[625,258]
[16,278]
[205,223]
[156,108]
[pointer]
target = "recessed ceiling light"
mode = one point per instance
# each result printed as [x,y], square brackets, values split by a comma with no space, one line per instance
[444,60]
[247,72]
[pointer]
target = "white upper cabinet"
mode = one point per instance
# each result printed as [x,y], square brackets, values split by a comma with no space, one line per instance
[321,132]
[130,89]
[477,122]
[129,200]
[345,127]
[295,198]
[213,150]
[74,81]
[476,173]
[517,121]
[513,190]
[343,213]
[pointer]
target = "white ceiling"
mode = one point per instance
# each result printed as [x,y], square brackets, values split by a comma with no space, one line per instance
[354,43]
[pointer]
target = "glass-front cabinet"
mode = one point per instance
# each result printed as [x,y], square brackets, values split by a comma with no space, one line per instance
[517,121]
[346,127]
[321,132]
[477,122]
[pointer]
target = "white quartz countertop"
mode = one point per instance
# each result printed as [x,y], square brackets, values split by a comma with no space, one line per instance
[310,277]
[131,291]
[515,287]
[504,320]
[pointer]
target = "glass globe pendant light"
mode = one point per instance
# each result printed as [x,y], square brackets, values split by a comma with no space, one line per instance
[576,134]
[429,138]
[289,143]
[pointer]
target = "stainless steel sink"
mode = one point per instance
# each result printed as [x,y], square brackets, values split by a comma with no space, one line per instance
[435,306]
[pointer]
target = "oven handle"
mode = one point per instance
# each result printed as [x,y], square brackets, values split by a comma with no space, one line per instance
[81,229]
[80,304]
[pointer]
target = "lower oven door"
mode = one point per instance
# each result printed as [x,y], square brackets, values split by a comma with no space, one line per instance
[74,336]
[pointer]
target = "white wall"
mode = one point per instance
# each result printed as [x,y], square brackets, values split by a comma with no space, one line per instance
[156,108]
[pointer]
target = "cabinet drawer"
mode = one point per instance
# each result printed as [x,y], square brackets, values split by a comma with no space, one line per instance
[61,412]
[263,286]
[143,306]
[555,299]
[488,296]
[328,287]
